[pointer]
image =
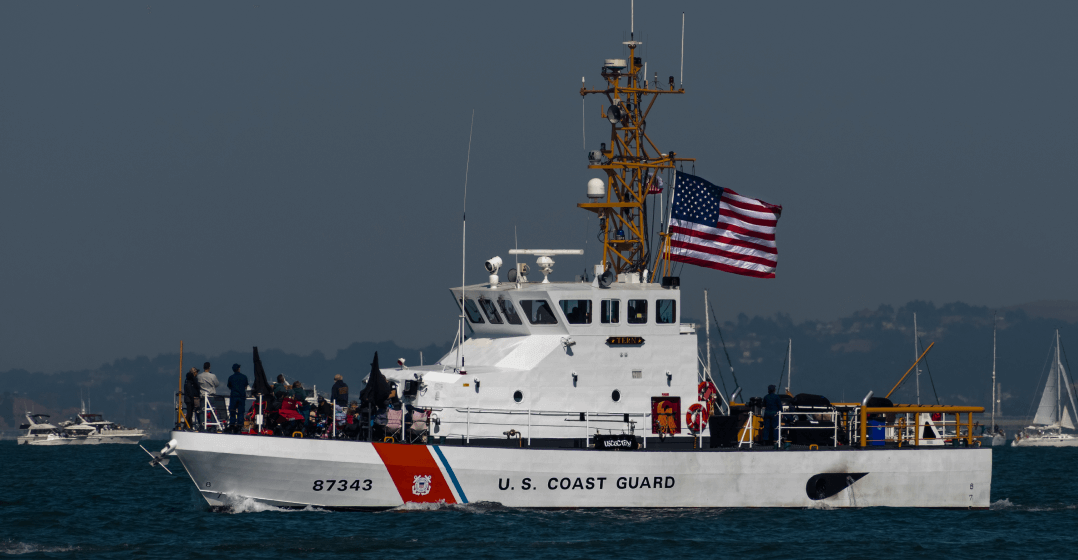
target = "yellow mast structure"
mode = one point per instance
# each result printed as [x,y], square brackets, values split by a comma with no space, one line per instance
[631,162]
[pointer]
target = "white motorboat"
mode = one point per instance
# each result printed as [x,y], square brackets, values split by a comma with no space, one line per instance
[40,432]
[588,393]
[103,431]
[1053,415]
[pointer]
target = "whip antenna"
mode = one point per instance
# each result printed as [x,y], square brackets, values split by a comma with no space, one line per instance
[464,245]
[682,50]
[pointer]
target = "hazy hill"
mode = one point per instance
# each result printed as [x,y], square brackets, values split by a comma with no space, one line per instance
[842,359]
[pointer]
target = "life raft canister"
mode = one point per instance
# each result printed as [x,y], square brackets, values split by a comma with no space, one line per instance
[705,390]
[696,417]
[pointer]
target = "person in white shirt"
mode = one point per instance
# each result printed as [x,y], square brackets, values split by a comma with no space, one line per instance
[207,381]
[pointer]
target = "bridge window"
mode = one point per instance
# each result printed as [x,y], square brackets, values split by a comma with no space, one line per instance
[665,311]
[610,311]
[638,311]
[473,312]
[538,312]
[509,311]
[577,311]
[490,310]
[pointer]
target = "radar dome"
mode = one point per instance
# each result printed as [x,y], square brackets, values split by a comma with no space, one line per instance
[596,188]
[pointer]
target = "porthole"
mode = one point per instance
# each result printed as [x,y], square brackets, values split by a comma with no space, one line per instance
[518,396]
[616,395]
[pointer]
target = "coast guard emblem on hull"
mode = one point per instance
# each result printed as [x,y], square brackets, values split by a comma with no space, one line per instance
[421,485]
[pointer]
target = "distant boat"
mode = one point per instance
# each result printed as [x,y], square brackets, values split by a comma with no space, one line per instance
[40,432]
[85,429]
[102,430]
[1053,415]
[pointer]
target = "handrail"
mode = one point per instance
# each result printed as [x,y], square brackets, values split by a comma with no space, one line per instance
[549,412]
[957,411]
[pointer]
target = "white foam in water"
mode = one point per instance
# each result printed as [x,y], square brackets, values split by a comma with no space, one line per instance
[239,504]
[473,507]
[1001,504]
[14,548]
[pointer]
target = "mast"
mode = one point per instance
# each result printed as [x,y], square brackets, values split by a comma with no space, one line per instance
[629,161]
[1059,383]
[993,373]
[707,335]
[789,362]
[916,375]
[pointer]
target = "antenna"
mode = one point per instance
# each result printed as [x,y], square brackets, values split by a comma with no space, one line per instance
[682,50]
[516,259]
[464,244]
[583,120]
[632,19]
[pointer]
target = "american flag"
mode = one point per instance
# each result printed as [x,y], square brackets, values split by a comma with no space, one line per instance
[718,228]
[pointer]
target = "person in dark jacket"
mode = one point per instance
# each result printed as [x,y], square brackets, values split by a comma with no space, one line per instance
[325,410]
[191,398]
[281,388]
[772,406]
[237,384]
[339,392]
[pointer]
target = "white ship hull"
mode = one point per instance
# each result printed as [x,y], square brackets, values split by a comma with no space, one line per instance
[306,472]
[1047,441]
[131,438]
[41,440]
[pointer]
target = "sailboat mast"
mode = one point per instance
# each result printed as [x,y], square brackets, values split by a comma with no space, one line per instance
[1059,382]
[917,375]
[993,373]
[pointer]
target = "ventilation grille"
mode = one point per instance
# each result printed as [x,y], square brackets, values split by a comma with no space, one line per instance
[638,374]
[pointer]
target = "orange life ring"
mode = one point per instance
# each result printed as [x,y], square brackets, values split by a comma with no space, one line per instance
[705,390]
[696,417]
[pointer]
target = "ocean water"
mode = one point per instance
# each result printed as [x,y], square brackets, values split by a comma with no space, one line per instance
[106,502]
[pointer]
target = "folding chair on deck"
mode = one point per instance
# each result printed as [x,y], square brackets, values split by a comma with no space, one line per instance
[417,432]
[394,426]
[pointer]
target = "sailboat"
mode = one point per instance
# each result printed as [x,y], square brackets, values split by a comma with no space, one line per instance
[1053,413]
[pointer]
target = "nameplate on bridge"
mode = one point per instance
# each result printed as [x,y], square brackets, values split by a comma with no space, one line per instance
[625,340]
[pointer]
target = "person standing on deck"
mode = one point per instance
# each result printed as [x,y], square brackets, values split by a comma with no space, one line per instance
[237,384]
[339,392]
[772,406]
[207,386]
[192,398]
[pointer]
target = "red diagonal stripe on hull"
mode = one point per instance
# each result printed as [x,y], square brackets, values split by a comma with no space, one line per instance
[405,462]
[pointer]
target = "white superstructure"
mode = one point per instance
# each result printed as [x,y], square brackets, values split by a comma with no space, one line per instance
[559,360]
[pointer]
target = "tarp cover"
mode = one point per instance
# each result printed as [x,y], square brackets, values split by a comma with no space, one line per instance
[261,386]
[377,390]
[724,429]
